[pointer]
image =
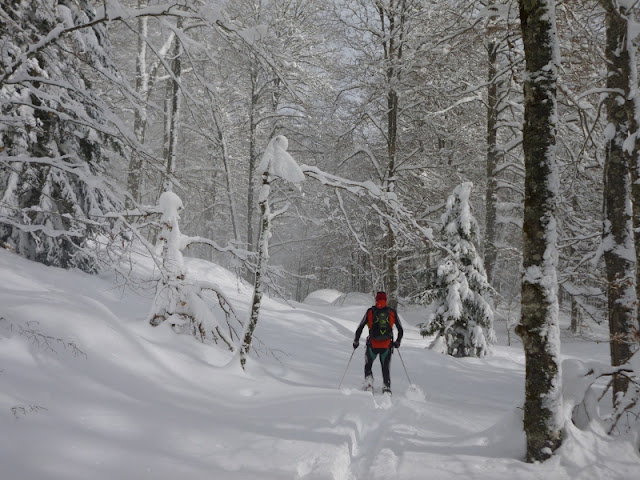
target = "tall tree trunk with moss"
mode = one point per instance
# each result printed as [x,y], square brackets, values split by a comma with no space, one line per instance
[538,326]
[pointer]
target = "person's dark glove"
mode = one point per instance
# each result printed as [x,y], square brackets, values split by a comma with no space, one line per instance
[356,343]
[396,344]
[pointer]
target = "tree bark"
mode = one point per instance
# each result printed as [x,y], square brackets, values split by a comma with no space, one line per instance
[252,152]
[490,250]
[134,180]
[392,17]
[617,234]
[226,161]
[538,326]
[173,111]
[263,258]
[393,273]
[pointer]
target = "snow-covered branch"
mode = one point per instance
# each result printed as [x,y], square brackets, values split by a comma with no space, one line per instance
[403,221]
[111,10]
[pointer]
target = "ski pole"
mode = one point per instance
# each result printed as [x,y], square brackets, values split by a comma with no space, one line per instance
[405,368]
[345,370]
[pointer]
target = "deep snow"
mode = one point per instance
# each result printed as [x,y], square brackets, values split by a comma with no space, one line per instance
[88,390]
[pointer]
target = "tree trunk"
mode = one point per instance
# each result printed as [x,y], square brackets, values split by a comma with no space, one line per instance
[263,258]
[252,153]
[392,17]
[575,319]
[538,326]
[393,273]
[617,235]
[172,121]
[226,160]
[134,180]
[490,250]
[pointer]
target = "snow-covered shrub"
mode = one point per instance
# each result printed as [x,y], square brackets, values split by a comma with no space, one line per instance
[180,300]
[582,397]
[462,319]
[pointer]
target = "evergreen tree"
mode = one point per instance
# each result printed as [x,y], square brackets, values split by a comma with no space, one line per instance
[463,317]
[56,134]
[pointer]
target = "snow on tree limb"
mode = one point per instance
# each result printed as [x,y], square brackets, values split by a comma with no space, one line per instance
[279,163]
[402,220]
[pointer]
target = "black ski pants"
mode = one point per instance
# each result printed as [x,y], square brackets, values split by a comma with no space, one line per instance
[370,355]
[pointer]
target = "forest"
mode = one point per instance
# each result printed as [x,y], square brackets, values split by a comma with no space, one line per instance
[477,159]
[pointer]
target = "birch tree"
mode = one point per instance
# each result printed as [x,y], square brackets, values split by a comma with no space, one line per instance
[134,178]
[276,163]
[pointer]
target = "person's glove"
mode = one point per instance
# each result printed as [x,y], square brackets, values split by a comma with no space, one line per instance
[356,344]
[396,344]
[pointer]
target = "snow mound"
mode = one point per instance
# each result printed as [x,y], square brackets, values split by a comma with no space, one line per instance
[322,297]
[594,451]
[354,299]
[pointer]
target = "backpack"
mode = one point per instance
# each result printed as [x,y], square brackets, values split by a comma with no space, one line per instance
[380,322]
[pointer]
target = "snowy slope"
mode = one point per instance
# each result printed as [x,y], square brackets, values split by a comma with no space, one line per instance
[89,391]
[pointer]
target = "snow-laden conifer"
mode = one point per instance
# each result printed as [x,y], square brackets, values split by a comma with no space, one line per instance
[56,134]
[462,319]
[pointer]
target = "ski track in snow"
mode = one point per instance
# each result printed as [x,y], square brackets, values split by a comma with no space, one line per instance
[368,452]
[376,455]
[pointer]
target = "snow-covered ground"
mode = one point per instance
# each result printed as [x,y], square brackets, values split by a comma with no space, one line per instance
[88,390]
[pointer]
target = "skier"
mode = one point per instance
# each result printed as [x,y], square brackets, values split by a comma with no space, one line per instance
[380,319]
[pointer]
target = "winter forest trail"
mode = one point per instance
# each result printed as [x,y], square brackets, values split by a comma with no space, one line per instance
[378,438]
[136,402]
